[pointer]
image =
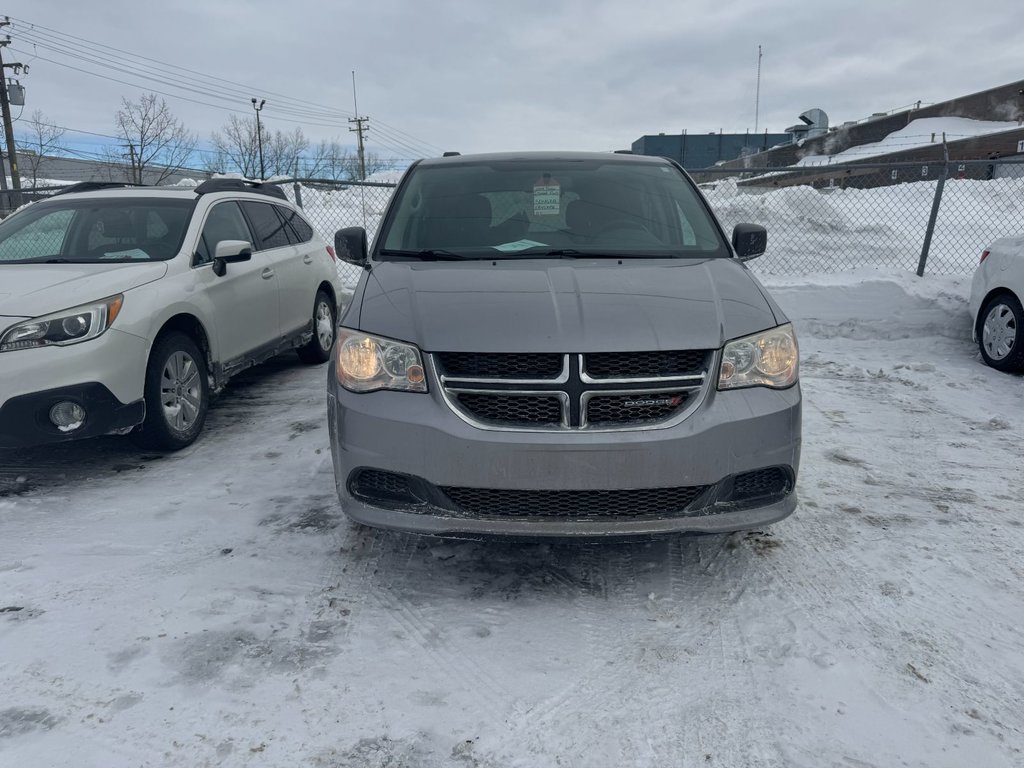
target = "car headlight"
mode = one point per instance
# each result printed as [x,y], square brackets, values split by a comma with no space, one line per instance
[767,359]
[69,326]
[366,363]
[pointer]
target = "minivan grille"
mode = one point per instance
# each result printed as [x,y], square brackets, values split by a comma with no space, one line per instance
[597,391]
[631,503]
[512,409]
[625,365]
[500,366]
[634,409]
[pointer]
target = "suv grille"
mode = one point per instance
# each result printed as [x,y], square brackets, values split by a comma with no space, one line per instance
[631,504]
[606,391]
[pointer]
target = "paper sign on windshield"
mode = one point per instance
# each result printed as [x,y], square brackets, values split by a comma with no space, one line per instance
[518,245]
[547,197]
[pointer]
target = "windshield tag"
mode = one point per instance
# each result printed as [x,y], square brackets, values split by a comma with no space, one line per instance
[547,197]
[518,245]
[133,253]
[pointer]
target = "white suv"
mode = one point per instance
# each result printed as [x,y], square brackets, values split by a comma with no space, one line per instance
[123,309]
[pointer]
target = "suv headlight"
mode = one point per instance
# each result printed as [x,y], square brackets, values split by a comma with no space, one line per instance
[767,359]
[69,326]
[366,363]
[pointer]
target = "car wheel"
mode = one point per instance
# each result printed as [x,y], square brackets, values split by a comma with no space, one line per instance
[318,350]
[1001,333]
[177,394]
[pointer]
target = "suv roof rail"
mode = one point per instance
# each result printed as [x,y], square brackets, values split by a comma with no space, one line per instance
[92,186]
[240,185]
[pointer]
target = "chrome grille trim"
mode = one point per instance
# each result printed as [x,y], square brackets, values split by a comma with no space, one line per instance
[696,385]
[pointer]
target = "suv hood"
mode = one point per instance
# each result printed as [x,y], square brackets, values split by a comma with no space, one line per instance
[31,290]
[560,306]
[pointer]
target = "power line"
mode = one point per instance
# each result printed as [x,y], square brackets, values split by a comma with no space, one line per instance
[36,33]
[392,144]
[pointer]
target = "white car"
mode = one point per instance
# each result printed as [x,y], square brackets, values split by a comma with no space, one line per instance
[122,309]
[996,294]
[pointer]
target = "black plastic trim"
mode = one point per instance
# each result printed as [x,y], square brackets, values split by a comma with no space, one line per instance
[25,420]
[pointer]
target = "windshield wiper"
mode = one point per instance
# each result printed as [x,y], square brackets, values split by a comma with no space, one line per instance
[566,253]
[429,254]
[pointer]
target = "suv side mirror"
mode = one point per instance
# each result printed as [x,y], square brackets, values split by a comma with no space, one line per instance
[230,252]
[749,241]
[350,245]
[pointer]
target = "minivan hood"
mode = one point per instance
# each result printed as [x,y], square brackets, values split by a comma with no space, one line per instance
[31,290]
[564,306]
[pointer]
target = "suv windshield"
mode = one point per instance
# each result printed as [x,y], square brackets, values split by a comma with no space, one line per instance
[92,231]
[560,207]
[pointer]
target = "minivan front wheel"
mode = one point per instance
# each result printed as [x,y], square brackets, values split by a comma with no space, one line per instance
[177,394]
[318,349]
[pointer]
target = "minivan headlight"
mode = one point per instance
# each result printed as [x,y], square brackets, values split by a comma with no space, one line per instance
[366,363]
[767,359]
[69,326]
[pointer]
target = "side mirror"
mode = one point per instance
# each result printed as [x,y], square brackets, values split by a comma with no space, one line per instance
[350,245]
[230,252]
[749,241]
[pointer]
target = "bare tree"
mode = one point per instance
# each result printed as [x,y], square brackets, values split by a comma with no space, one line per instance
[236,148]
[374,164]
[40,138]
[282,151]
[157,144]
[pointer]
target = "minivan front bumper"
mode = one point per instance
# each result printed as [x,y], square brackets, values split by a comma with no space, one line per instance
[421,454]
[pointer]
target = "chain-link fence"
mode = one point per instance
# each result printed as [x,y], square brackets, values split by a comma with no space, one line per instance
[832,218]
[332,205]
[826,218]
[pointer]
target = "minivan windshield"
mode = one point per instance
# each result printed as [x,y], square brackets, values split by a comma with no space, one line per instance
[558,208]
[101,230]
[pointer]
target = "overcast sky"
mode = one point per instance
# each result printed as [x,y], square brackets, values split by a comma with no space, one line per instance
[482,75]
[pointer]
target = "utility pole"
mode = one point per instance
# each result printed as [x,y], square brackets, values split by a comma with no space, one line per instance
[134,175]
[5,106]
[360,129]
[757,97]
[259,134]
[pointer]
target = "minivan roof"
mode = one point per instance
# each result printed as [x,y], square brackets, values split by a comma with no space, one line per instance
[512,157]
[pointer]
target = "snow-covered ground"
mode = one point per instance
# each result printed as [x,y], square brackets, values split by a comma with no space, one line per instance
[214,607]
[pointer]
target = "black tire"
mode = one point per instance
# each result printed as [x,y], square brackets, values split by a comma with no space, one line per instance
[177,374]
[318,350]
[1001,333]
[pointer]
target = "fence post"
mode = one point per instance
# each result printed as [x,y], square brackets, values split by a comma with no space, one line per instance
[297,189]
[935,209]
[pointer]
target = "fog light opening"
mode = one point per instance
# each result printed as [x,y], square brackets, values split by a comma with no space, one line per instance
[67,416]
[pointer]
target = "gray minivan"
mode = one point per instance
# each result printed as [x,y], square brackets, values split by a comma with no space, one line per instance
[560,344]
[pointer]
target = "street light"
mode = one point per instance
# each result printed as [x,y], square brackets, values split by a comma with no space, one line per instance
[259,132]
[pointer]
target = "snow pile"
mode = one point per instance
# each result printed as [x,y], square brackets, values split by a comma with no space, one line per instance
[835,229]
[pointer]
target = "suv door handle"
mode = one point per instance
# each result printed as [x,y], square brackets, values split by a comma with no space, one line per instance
[307,259]
[267,273]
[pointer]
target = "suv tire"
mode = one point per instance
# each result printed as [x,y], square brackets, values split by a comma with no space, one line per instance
[325,329]
[177,394]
